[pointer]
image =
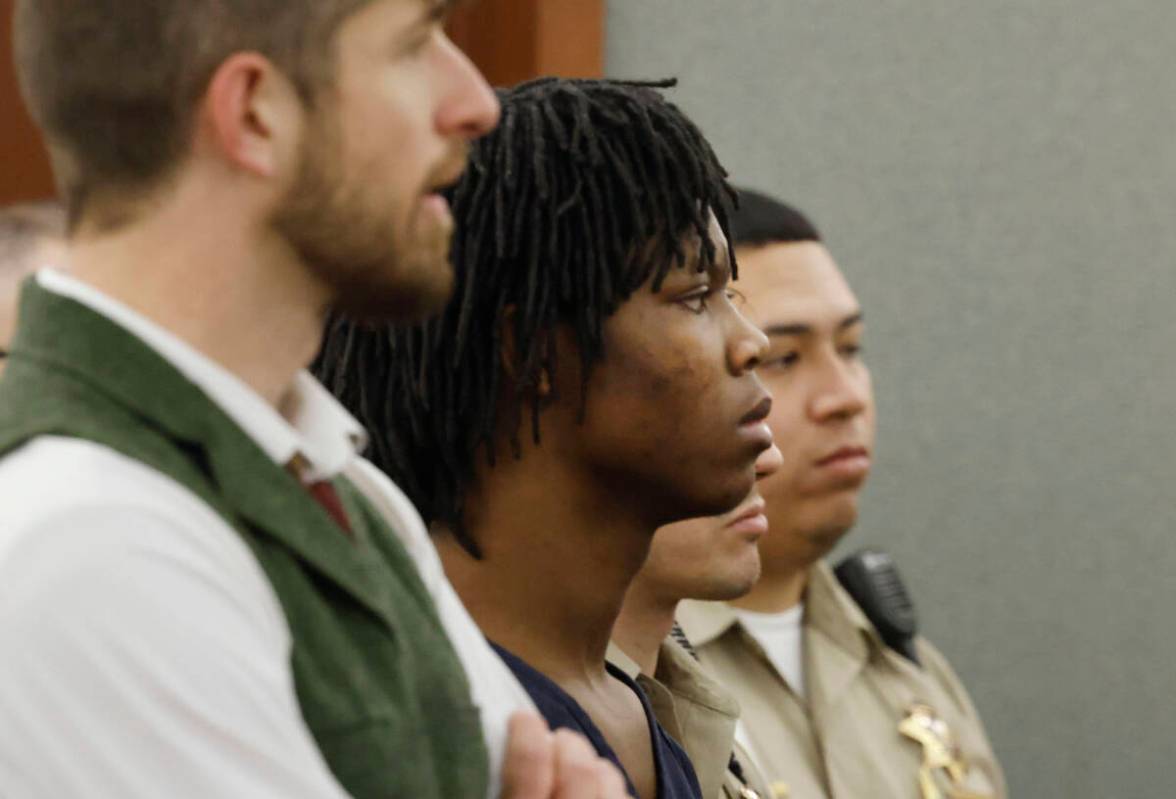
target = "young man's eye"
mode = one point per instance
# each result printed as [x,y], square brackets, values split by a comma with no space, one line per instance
[783,361]
[851,350]
[697,302]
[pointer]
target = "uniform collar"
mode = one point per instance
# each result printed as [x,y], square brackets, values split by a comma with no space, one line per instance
[828,609]
[678,670]
[832,611]
[316,435]
[704,622]
[681,674]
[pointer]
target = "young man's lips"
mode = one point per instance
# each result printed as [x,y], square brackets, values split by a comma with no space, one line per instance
[843,453]
[758,433]
[847,461]
[753,426]
[751,519]
[755,526]
[756,508]
[758,413]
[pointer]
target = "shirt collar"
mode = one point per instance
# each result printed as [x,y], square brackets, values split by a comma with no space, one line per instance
[680,674]
[703,622]
[679,671]
[830,609]
[318,434]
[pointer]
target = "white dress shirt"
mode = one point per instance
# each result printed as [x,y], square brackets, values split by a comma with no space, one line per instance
[143,652]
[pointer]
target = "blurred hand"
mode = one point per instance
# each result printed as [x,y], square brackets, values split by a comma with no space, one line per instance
[541,764]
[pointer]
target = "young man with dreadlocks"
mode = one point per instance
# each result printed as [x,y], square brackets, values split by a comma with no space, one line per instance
[590,381]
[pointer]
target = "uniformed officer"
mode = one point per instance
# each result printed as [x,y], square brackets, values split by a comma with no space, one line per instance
[829,709]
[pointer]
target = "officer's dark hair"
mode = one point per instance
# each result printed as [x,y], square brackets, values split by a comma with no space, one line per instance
[585,191]
[761,219]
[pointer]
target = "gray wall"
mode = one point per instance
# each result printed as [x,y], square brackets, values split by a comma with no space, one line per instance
[998,179]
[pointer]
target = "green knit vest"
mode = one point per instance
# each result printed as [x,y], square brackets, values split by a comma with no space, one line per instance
[378,681]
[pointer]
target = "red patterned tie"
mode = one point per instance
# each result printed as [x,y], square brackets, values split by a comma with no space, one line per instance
[324,494]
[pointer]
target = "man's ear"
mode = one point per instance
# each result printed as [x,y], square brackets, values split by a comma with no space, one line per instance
[252,116]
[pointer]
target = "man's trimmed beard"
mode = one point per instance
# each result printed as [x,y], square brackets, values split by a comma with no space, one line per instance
[348,233]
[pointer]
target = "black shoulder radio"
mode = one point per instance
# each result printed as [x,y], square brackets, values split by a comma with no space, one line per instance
[872,579]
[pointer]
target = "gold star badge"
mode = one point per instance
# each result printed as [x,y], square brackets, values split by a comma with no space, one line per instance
[944,768]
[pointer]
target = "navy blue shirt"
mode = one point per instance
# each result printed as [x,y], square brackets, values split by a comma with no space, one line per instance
[675,773]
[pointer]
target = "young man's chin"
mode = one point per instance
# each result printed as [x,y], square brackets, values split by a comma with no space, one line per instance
[725,589]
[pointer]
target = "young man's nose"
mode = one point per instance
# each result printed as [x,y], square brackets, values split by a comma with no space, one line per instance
[748,347]
[841,393]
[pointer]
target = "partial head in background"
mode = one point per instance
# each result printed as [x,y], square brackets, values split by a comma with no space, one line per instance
[711,557]
[32,235]
[591,318]
[321,128]
[822,417]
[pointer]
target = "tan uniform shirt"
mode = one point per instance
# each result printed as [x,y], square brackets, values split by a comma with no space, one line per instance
[844,742]
[700,715]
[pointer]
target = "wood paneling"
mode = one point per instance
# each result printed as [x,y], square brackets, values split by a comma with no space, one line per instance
[513,40]
[24,166]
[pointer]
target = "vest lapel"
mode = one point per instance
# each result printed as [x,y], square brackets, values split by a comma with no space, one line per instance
[64,338]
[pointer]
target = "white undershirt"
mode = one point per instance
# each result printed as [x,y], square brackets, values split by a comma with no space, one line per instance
[144,651]
[781,637]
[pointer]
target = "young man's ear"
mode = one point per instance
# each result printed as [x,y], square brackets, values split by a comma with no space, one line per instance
[509,355]
[543,385]
[252,116]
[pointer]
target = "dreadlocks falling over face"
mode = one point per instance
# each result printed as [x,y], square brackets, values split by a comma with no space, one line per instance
[588,190]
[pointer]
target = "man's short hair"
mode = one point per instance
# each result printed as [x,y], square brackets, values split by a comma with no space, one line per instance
[22,229]
[761,220]
[114,83]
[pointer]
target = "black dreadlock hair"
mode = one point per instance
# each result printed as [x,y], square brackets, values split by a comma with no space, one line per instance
[585,191]
[761,219]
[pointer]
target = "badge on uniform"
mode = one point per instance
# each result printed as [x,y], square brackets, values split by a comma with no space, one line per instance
[944,768]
